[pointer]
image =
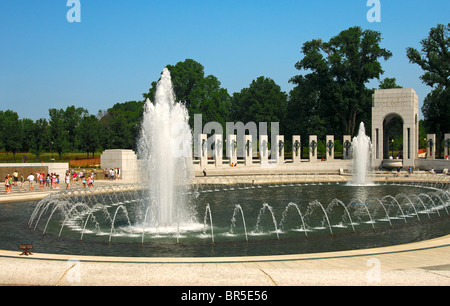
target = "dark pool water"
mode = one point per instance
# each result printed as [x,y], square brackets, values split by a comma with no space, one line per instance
[278,220]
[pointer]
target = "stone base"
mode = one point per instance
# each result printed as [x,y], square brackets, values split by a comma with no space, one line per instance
[27,168]
[125,160]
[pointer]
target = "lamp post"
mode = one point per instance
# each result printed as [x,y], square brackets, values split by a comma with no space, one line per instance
[392,148]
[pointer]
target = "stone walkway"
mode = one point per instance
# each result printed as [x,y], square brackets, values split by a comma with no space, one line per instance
[415,264]
[27,195]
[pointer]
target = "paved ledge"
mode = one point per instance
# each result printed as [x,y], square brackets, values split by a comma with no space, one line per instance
[36,194]
[229,179]
[420,263]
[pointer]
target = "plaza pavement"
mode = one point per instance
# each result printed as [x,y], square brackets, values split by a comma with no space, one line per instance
[415,264]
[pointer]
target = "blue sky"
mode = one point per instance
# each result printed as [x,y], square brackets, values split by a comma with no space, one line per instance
[120,47]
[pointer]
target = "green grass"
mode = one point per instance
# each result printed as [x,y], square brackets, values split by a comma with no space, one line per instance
[45,157]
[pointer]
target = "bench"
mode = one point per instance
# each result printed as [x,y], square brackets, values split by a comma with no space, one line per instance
[25,248]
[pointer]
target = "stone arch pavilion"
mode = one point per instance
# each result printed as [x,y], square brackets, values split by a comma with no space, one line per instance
[388,104]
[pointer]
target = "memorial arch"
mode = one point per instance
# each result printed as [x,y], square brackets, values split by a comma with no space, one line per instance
[392,130]
[392,108]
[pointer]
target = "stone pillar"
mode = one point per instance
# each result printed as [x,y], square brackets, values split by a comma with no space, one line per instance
[279,149]
[431,146]
[264,149]
[347,145]
[218,149]
[296,149]
[203,150]
[232,148]
[446,145]
[125,160]
[329,147]
[248,160]
[312,148]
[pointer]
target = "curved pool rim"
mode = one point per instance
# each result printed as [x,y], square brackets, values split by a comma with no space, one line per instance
[428,244]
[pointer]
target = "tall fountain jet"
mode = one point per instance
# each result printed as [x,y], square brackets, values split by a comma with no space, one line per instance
[361,148]
[165,147]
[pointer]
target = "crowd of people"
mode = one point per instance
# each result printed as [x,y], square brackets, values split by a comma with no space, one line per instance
[112,174]
[53,180]
[49,181]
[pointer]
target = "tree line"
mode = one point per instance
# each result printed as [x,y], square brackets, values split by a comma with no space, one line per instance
[330,96]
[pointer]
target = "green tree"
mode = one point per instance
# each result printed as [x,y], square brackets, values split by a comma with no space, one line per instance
[210,100]
[11,132]
[388,83]
[72,117]
[185,77]
[2,124]
[434,59]
[422,135]
[58,133]
[120,125]
[338,70]
[26,126]
[436,109]
[40,137]
[119,136]
[303,117]
[262,101]
[200,94]
[88,134]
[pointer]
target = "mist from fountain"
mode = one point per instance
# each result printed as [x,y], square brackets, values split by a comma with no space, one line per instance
[237,209]
[361,148]
[165,147]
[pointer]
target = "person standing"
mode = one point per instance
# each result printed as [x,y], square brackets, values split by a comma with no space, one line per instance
[67,180]
[16,177]
[30,180]
[410,170]
[41,181]
[10,183]
[92,179]
[89,182]
[48,181]
[53,178]
[7,185]
[21,182]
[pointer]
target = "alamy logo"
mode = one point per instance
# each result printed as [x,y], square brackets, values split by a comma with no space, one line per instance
[373,275]
[239,147]
[374,14]
[74,13]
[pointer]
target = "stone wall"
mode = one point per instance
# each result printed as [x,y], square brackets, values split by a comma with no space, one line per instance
[27,168]
[305,166]
[125,160]
[436,164]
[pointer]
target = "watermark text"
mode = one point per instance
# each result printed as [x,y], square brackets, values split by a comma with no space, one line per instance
[74,13]
[374,13]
